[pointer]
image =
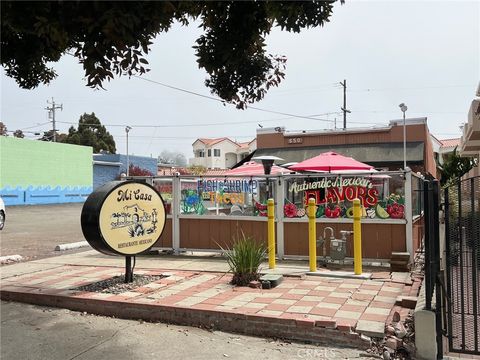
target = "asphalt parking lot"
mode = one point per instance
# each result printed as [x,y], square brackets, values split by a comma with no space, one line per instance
[33,231]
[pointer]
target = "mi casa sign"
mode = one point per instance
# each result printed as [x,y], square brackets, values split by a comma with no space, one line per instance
[123,218]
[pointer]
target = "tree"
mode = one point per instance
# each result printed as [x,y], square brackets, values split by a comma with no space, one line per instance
[3,129]
[172,157]
[455,166]
[134,170]
[18,134]
[112,39]
[197,169]
[92,133]
[48,136]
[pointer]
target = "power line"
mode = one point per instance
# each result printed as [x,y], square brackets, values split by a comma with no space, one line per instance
[34,126]
[224,102]
[311,117]
[178,137]
[410,88]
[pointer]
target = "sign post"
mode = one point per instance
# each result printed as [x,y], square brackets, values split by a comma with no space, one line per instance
[312,235]
[123,218]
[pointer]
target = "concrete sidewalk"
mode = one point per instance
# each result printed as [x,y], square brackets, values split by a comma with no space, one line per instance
[196,292]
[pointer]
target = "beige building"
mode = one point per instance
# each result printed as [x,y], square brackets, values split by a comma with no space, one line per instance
[470,141]
[381,147]
[220,153]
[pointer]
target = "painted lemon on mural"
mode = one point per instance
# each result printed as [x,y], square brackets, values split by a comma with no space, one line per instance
[349,212]
[381,212]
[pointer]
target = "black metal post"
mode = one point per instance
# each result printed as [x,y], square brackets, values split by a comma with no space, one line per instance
[462,249]
[128,269]
[448,248]
[428,238]
[475,248]
[438,289]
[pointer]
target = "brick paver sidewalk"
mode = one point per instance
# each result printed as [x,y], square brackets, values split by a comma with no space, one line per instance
[312,302]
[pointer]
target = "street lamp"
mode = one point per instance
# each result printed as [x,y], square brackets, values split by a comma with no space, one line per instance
[404,108]
[127,129]
[267,162]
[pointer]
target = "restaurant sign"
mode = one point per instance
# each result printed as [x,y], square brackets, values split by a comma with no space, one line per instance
[123,218]
[338,190]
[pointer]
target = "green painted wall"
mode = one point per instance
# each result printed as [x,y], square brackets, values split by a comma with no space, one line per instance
[26,163]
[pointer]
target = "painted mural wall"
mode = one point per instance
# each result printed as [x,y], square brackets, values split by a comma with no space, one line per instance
[39,172]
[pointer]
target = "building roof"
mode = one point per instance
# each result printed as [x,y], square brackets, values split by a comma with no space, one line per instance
[210,141]
[450,142]
[165,171]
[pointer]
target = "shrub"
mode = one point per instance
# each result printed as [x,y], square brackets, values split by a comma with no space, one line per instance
[244,259]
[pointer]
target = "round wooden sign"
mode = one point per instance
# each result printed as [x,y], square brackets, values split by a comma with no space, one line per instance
[123,218]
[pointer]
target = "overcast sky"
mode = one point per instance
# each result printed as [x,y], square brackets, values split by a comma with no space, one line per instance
[422,53]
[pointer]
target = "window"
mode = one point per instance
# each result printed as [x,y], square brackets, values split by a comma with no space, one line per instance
[209,152]
[216,152]
[201,153]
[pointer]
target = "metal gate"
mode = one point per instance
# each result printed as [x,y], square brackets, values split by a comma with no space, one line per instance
[433,289]
[462,249]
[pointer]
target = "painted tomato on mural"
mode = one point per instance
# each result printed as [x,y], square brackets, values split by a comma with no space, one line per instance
[290,210]
[333,211]
[396,211]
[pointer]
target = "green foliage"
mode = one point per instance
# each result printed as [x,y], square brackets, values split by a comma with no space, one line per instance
[92,133]
[455,166]
[48,136]
[197,169]
[244,259]
[112,39]
[134,170]
[18,134]
[3,129]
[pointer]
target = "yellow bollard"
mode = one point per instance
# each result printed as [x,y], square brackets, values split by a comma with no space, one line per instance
[271,233]
[312,235]
[357,237]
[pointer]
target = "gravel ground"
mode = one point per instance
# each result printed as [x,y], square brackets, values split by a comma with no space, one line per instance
[116,284]
[33,231]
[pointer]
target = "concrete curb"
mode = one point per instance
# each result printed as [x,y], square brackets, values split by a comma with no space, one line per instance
[307,330]
[340,274]
[425,328]
[10,258]
[71,246]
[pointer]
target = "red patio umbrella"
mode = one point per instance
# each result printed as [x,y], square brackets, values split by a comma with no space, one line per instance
[330,161]
[255,169]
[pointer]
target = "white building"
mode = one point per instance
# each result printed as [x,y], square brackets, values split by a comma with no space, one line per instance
[220,153]
[470,141]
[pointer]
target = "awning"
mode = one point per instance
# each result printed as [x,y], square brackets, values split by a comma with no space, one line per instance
[368,153]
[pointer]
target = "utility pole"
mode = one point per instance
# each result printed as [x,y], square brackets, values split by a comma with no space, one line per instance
[127,130]
[51,113]
[344,108]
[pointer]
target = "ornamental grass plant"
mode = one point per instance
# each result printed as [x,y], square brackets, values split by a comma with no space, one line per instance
[244,259]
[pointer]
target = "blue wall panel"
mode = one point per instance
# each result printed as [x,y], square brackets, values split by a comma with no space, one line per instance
[103,173]
[44,195]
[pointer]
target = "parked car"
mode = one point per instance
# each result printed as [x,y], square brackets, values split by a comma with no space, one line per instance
[2,214]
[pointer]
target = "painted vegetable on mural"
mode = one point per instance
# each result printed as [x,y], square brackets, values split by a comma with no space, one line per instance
[333,211]
[396,211]
[290,210]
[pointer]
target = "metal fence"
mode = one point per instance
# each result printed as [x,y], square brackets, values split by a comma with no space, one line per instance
[462,232]
[204,211]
